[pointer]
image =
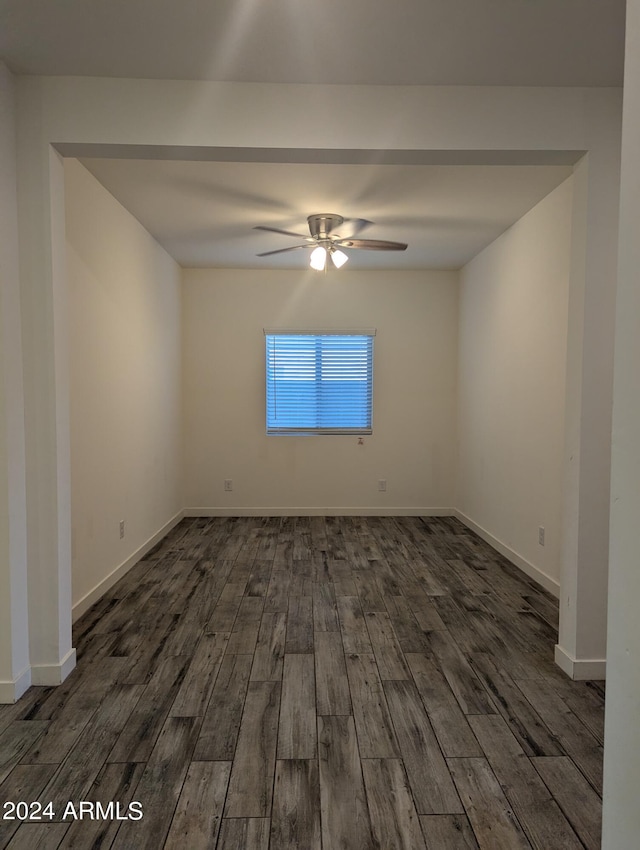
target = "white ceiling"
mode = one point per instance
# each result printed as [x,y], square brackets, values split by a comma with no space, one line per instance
[409,42]
[204,212]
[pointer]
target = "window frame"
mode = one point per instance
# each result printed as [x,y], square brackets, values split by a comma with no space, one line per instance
[317,333]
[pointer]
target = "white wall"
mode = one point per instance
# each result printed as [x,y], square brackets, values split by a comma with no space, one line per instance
[413,440]
[513,346]
[124,341]
[15,675]
[621,813]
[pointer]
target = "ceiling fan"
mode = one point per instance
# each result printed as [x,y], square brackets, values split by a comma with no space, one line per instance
[326,242]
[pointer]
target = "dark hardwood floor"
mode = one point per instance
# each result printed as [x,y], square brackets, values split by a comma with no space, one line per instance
[317,683]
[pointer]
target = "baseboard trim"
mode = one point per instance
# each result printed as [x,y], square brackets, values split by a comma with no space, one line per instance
[53,674]
[580,669]
[11,691]
[532,571]
[322,511]
[83,605]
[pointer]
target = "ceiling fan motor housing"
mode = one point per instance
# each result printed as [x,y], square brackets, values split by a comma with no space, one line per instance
[322,224]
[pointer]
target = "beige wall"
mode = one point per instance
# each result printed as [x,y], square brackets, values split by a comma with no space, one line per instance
[124,342]
[472,391]
[513,348]
[413,440]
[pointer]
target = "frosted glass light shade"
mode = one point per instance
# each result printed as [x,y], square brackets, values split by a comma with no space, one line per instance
[339,258]
[318,258]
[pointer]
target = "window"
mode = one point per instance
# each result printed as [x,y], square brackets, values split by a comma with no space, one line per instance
[319,382]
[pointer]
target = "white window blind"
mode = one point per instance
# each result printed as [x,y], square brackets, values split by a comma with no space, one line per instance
[319,382]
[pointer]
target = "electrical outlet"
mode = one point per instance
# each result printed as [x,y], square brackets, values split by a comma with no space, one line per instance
[121,529]
[541,535]
[382,485]
[228,485]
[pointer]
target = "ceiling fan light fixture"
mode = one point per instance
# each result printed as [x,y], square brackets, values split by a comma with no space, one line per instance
[322,234]
[318,258]
[338,258]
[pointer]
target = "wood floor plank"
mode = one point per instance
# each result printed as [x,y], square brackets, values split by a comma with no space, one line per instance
[394,821]
[579,802]
[325,615]
[188,625]
[355,635]
[511,766]
[345,818]
[277,598]
[586,702]
[221,723]
[16,740]
[332,684]
[114,786]
[247,624]
[425,612]
[225,613]
[449,723]
[543,822]
[448,832]
[269,655]
[427,772]
[343,583]
[573,736]
[38,836]
[25,782]
[301,542]
[118,616]
[244,834]
[139,734]
[261,573]
[246,648]
[318,531]
[547,828]
[68,719]
[386,648]
[335,546]
[295,822]
[371,598]
[145,660]
[299,625]
[356,557]
[283,558]
[511,658]
[196,821]
[33,705]
[251,782]
[160,784]
[200,677]
[545,607]
[78,771]
[526,724]
[376,736]
[488,810]
[368,543]
[472,580]
[460,675]
[297,727]
[410,636]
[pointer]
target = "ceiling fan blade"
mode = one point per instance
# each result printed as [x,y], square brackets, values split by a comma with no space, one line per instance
[358,225]
[283,232]
[371,244]
[281,250]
